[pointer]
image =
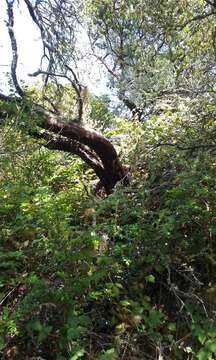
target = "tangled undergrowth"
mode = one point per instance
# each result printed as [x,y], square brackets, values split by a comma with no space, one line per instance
[130,276]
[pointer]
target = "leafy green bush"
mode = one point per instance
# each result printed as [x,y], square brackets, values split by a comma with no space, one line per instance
[92,278]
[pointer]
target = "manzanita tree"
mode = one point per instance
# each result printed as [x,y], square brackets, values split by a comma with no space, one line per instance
[58,22]
[156,53]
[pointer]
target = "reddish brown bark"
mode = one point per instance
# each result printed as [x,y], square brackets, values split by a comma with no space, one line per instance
[93,148]
[97,151]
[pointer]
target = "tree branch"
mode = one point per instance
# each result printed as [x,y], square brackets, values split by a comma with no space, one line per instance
[77,88]
[212,3]
[61,143]
[196,18]
[13,41]
[96,142]
[132,107]
[113,170]
[9,98]
[43,35]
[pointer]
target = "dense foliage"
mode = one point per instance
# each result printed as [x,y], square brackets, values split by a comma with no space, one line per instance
[126,276]
[130,275]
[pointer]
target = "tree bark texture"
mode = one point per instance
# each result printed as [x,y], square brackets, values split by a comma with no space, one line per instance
[97,151]
[92,147]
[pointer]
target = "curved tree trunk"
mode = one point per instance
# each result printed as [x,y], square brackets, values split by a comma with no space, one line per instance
[92,147]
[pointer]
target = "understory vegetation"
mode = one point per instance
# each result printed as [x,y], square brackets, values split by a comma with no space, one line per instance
[128,276]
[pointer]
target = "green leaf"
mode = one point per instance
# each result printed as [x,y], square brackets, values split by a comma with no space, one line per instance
[211,345]
[36,325]
[78,354]
[202,338]
[155,318]
[108,355]
[74,332]
[150,279]
[204,355]
[172,326]
[199,333]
